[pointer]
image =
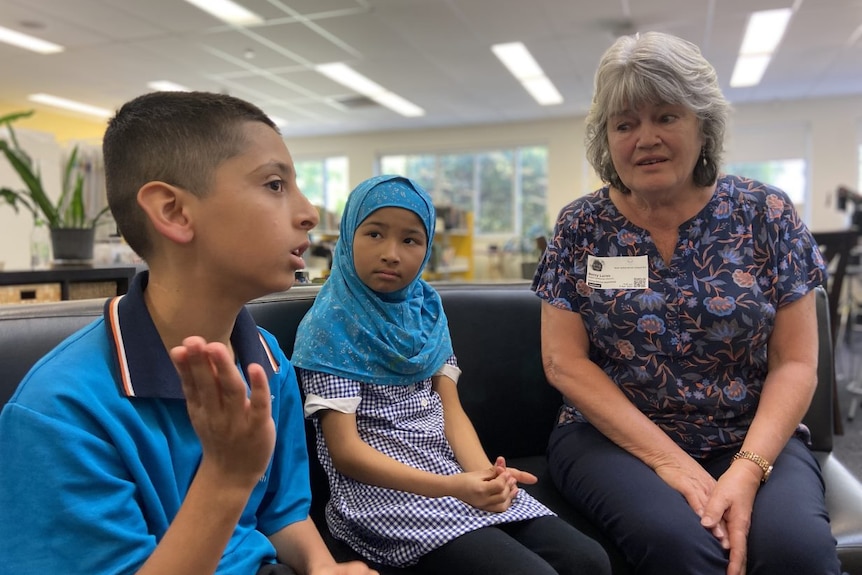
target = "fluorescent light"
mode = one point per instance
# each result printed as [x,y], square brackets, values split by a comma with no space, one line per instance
[518,60]
[347,76]
[762,36]
[543,91]
[167,86]
[522,65]
[398,104]
[749,70]
[228,11]
[57,102]
[764,31]
[28,42]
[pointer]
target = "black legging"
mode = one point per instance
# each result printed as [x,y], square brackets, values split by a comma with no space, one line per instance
[542,546]
[275,569]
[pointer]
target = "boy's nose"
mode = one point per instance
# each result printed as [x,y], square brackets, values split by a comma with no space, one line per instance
[307,213]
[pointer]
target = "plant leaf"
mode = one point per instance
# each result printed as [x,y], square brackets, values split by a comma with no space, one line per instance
[31,181]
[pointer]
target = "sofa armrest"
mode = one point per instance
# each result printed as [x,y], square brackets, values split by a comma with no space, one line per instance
[820,415]
[844,503]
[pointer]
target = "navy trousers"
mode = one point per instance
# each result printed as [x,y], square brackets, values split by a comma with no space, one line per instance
[657,531]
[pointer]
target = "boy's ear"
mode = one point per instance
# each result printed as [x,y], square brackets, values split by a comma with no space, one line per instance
[167,208]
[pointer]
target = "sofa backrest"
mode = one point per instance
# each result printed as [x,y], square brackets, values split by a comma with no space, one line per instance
[495,332]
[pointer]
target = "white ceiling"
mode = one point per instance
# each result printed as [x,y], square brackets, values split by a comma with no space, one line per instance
[435,53]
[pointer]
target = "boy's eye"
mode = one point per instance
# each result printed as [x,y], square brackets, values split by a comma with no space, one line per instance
[276,185]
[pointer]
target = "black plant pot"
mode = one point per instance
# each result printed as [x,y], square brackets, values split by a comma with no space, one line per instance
[72,245]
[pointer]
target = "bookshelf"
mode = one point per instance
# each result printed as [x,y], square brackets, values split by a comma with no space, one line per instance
[452,258]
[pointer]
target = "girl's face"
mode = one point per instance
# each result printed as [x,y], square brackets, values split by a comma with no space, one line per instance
[389,248]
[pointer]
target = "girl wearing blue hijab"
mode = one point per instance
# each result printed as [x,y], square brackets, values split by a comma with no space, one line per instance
[409,480]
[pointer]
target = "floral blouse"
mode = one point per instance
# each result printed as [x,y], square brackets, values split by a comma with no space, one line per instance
[688,348]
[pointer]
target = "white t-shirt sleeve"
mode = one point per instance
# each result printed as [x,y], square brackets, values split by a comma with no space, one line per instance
[315,403]
[453,372]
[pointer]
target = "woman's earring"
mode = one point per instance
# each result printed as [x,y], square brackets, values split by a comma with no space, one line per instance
[703,157]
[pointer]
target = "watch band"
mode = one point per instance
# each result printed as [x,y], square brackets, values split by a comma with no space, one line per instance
[761,462]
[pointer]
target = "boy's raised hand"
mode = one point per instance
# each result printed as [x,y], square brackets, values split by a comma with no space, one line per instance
[236,432]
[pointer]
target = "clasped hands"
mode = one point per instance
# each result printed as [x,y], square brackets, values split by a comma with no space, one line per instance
[491,489]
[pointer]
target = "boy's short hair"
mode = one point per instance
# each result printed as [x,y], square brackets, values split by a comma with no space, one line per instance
[179,138]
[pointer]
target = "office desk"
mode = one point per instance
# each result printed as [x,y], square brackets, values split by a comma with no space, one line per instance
[64,283]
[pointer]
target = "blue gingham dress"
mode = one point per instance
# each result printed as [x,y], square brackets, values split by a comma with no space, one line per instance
[406,423]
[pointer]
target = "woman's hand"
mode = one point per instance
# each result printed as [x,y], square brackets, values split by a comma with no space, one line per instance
[698,487]
[731,502]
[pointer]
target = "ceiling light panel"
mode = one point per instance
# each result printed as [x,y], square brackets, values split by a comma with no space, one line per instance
[521,64]
[65,104]
[764,31]
[167,86]
[28,42]
[763,34]
[228,11]
[350,78]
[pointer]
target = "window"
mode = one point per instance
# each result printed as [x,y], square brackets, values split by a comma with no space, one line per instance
[774,153]
[789,175]
[506,189]
[324,182]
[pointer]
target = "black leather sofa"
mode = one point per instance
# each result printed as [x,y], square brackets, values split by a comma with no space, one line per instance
[495,332]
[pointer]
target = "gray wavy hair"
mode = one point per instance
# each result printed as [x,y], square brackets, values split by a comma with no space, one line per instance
[656,68]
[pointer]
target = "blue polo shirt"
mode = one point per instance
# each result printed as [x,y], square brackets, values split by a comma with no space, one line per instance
[97,451]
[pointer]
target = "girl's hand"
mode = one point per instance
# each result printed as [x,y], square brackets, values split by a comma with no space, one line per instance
[488,489]
[524,477]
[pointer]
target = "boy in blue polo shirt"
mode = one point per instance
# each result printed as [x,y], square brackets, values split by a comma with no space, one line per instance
[137,445]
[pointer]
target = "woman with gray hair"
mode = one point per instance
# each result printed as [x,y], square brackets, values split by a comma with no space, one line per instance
[679,325]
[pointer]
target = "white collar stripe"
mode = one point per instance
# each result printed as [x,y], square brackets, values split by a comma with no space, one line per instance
[125,375]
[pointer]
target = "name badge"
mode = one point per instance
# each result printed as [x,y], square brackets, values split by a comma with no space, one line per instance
[618,272]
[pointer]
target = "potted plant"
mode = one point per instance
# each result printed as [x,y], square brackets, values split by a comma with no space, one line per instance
[72,231]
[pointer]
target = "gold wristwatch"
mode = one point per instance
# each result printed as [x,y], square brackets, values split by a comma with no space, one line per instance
[762,463]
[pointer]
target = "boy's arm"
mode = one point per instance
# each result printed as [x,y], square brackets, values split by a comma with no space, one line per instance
[198,535]
[237,436]
[300,546]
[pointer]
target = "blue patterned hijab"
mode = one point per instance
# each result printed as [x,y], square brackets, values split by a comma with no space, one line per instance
[351,331]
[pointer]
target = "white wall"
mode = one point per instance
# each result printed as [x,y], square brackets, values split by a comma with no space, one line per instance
[826,128]
[829,126]
[16,229]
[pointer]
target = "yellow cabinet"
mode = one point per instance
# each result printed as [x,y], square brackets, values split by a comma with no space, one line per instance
[452,259]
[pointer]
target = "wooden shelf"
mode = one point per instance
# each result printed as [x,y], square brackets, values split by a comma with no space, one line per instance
[64,283]
[453,247]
